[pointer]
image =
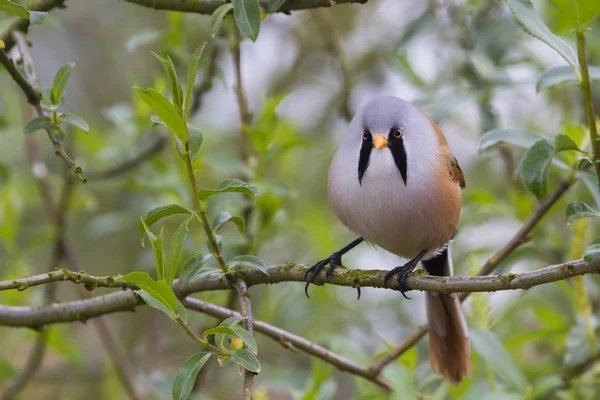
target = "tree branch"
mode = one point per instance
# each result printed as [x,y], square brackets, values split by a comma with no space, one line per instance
[288,340]
[520,237]
[209,6]
[126,300]
[22,24]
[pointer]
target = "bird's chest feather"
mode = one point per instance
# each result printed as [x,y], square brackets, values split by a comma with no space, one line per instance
[403,219]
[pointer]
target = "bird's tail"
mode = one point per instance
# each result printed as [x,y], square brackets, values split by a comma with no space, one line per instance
[449,349]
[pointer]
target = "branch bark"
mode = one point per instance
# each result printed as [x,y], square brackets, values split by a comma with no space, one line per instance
[35,317]
[209,6]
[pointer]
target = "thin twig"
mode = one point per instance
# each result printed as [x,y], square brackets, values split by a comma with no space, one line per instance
[209,6]
[127,300]
[156,147]
[30,87]
[518,239]
[289,341]
[242,291]
[22,24]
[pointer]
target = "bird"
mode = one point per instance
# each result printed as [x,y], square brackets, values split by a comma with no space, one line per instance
[394,181]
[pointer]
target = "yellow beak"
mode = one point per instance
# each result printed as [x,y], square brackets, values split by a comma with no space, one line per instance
[380,142]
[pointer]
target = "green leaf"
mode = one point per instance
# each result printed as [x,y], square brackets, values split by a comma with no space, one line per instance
[60,81]
[58,134]
[74,120]
[191,268]
[225,217]
[217,17]
[564,142]
[158,213]
[247,262]
[14,9]
[578,210]
[246,359]
[578,12]
[557,75]
[230,322]
[535,167]
[46,101]
[247,338]
[490,348]
[165,111]
[194,143]
[174,83]
[185,377]
[275,5]
[154,303]
[157,247]
[592,253]
[36,18]
[175,249]
[191,79]
[531,22]
[158,290]
[247,17]
[517,137]
[41,122]
[221,331]
[229,186]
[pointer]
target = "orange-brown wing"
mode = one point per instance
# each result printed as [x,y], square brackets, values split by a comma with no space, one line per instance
[456,173]
[454,169]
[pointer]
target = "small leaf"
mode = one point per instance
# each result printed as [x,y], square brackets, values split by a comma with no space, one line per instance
[247,262]
[531,22]
[155,303]
[517,137]
[46,101]
[176,90]
[60,81]
[229,186]
[185,378]
[58,134]
[225,217]
[247,338]
[491,349]
[275,5]
[592,253]
[36,18]
[535,167]
[14,9]
[158,290]
[74,120]
[175,249]
[38,123]
[191,80]
[191,268]
[217,17]
[194,143]
[219,329]
[230,322]
[157,247]
[562,74]
[563,143]
[246,359]
[158,213]
[247,17]
[165,111]
[578,210]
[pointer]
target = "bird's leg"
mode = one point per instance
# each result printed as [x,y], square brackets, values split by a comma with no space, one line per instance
[403,271]
[334,260]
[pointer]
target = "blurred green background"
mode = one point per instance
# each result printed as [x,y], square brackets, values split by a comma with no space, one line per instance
[467,64]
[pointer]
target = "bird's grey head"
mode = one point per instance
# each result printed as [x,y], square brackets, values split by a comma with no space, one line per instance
[389,124]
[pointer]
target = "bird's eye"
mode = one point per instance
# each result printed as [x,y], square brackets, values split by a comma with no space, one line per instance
[366,134]
[398,133]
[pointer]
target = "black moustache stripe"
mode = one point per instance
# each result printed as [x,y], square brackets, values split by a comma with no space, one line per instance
[396,145]
[365,154]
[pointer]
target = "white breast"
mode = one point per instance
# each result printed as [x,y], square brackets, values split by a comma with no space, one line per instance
[401,219]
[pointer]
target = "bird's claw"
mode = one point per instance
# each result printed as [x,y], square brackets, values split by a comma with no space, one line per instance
[335,260]
[402,273]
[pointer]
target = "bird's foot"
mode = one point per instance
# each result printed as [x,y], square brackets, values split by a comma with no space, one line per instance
[402,273]
[334,260]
